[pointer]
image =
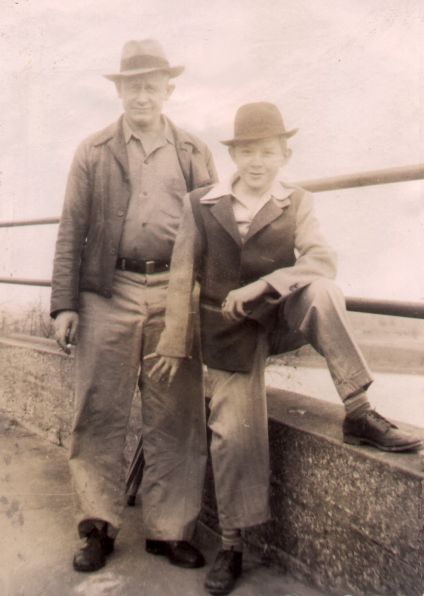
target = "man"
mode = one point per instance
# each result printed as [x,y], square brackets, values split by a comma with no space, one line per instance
[120,217]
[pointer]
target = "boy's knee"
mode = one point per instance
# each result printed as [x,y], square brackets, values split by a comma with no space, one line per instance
[323,291]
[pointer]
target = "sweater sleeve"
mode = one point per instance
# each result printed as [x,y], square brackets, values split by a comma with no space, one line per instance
[315,258]
[177,337]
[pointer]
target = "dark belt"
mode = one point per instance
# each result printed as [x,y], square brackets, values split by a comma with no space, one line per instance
[138,266]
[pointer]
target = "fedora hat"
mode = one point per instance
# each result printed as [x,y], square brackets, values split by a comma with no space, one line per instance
[256,121]
[141,57]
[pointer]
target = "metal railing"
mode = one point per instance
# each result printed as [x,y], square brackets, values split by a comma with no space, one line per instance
[399,308]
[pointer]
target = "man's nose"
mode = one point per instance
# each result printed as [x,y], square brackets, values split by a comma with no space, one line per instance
[142,95]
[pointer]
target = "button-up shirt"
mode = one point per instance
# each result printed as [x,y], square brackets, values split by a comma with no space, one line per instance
[157,190]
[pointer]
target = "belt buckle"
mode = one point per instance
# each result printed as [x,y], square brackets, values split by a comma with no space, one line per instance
[149,266]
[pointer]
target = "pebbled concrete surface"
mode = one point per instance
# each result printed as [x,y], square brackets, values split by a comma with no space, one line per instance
[37,537]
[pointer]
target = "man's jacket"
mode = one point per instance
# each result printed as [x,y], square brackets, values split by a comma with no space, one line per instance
[96,203]
[284,246]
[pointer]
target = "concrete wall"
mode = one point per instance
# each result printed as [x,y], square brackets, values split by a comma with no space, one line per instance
[348,520]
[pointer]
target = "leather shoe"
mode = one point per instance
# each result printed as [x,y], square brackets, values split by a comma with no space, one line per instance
[178,552]
[92,556]
[222,577]
[372,429]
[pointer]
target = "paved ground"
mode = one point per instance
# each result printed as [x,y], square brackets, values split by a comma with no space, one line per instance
[37,538]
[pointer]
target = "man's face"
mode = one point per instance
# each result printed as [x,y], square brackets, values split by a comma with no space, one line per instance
[258,162]
[143,97]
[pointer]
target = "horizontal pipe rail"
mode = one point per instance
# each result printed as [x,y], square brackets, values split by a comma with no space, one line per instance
[373,177]
[396,308]
[386,176]
[25,282]
[29,222]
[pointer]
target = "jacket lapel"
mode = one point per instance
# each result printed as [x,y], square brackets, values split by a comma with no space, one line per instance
[269,212]
[119,149]
[223,213]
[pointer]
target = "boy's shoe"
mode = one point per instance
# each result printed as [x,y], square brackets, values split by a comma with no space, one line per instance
[92,556]
[222,577]
[178,552]
[372,429]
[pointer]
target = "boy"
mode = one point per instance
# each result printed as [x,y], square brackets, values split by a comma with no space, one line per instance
[265,275]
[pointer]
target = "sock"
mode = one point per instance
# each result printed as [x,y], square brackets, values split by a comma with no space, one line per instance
[231,539]
[356,404]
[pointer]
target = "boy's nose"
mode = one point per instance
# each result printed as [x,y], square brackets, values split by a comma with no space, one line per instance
[256,158]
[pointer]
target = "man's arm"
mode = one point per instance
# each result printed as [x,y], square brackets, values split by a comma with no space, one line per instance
[71,235]
[315,257]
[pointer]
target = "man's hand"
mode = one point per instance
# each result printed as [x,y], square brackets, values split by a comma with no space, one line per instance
[165,368]
[233,306]
[65,328]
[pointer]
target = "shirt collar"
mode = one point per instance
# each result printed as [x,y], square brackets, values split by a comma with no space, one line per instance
[166,132]
[279,190]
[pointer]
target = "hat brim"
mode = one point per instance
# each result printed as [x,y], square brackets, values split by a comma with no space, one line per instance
[239,140]
[173,71]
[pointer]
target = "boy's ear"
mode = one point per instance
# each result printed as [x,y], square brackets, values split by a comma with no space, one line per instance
[169,90]
[287,154]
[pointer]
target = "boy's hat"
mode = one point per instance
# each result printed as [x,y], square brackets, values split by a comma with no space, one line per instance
[141,57]
[258,120]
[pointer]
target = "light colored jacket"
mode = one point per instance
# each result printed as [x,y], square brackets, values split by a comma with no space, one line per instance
[314,259]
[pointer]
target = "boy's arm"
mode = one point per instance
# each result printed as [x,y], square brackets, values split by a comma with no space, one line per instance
[177,337]
[315,257]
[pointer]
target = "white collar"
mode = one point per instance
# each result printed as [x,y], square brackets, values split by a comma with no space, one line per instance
[279,190]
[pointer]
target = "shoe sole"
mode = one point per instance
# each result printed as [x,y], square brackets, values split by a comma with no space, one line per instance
[351,440]
[158,552]
[217,592]
[90,569]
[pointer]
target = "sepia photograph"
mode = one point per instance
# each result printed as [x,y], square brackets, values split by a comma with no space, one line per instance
[212,298]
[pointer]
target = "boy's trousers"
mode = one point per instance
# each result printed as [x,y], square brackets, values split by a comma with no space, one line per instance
[114,335]
[238,411]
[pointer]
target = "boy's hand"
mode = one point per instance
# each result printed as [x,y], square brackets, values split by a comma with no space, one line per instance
[233,305]
[165,368]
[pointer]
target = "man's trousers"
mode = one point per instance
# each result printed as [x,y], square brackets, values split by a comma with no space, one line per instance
[114,336]
[238,411]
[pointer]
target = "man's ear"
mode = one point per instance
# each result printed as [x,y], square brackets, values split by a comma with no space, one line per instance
[118,87]
[231,151]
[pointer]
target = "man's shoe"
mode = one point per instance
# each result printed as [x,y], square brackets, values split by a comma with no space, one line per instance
[92,556]
[372,429]
[222,577]
[178,552]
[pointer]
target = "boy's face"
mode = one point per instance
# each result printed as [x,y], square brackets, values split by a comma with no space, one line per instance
[258,162]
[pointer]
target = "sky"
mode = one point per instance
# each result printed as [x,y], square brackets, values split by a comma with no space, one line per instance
[347,73]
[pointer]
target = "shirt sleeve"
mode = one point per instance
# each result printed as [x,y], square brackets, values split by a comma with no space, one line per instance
[315,258]
[181,312]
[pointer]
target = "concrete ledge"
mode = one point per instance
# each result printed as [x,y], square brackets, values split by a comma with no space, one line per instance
[348,520]
[36,386]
